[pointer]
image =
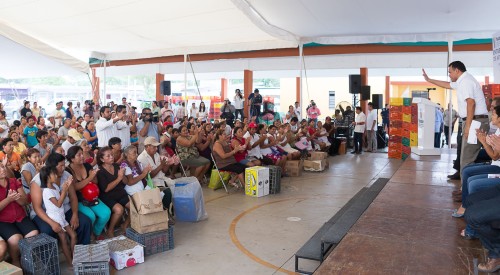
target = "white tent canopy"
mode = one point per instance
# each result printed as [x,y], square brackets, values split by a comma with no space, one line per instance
[130,29]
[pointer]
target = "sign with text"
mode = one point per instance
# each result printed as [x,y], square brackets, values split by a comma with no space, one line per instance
[496,57]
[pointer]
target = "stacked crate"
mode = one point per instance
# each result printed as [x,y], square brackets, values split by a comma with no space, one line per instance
[414,125]
[396,128]
[153,242]
[403,129]
[406,133]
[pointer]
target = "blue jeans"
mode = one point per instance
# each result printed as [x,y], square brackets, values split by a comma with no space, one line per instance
[473,170]
[481,210]
[98,214]
[82,232]
[476,184]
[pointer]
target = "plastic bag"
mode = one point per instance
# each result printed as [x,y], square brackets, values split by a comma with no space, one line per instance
[215,182]
[149,182]
[189,204]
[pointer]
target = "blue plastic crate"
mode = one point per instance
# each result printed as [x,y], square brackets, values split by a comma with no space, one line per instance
[153,242]
[39,255]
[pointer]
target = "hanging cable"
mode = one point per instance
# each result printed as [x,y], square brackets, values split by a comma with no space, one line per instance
[305,74]
[194,75]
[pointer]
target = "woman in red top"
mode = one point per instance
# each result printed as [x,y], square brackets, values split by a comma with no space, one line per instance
[241,156]
[14,224]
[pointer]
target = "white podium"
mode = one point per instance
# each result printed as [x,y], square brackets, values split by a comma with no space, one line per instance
[426,121]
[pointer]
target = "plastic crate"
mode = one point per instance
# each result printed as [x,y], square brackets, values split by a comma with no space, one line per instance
[95,268]
[154,242]
[407,118]
[39,255]
[396,109]
[394,145]
[406,150]
[405,132]
[396,139]
[91,259]
[405,141]
[274,179]
[406,110]
[395,115]
[396,124]
[397,101]
[404,156]
[407,101]
[395,131]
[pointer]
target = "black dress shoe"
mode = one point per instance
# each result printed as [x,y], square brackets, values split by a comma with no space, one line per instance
[455,176]
[353,152]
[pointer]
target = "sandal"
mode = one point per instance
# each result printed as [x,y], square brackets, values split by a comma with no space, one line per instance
[467,236]
[455,214]
[234,185]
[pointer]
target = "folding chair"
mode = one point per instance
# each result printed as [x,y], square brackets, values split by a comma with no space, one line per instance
[218,172]
[180,163]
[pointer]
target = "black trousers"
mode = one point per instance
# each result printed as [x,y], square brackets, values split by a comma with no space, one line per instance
[358,142]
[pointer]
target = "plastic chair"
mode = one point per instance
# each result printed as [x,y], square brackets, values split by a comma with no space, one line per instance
[218,172]
[180,163]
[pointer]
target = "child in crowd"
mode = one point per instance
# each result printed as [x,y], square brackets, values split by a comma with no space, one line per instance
[53,199]
[134,139]
[116,148]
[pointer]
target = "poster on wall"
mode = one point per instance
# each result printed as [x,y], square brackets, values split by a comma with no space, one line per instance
[496,57]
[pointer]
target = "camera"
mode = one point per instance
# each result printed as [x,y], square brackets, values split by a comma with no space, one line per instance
[89,102]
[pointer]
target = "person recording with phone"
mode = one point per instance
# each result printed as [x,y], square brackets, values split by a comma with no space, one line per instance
[148,126]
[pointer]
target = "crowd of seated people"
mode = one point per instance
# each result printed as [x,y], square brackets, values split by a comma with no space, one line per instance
[47,163]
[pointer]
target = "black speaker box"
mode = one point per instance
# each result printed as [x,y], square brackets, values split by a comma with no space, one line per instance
[165,88]
[365,92]
[354,83]
[377,101]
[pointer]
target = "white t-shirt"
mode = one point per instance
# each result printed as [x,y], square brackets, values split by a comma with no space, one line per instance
[266,151]
[254,152]
[137,187]
[370,120]
[123,132]
[105,129]
[468,87]
[496,162]
[238,102]
[54,212]
[360,118]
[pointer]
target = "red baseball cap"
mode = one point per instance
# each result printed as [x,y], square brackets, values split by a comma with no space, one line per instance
[252,125]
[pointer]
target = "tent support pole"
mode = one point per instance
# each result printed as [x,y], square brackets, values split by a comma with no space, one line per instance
[301,103]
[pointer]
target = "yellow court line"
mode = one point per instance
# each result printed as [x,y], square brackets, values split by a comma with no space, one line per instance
[234,238]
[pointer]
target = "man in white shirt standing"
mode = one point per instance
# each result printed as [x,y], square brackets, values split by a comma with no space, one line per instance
[371,129]
[77,110]
[123,127]
[359,130]
[106,127]
[59,114]
[298,110]
[471,106]
[193,112]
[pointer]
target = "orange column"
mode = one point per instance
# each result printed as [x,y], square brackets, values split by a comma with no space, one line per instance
[95,87]
[486,80]
[159,79]
[387,89]
[247,89]
[364,81]
[223,88]
[297,90]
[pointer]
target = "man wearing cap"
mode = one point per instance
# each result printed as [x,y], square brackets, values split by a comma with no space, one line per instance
[106,127]
[73,139]
[159,166]
[255,101]
[313,112]
[58,114]
[63,130]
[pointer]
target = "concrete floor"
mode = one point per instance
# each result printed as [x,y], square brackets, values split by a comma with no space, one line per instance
[245,235]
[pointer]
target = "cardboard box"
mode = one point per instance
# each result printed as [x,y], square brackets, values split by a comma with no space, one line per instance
[8,269]
[314,165]
[148,222]
[257,181]
[124,252]
[294,168]
[342,148]
[319,155]
[148,201]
